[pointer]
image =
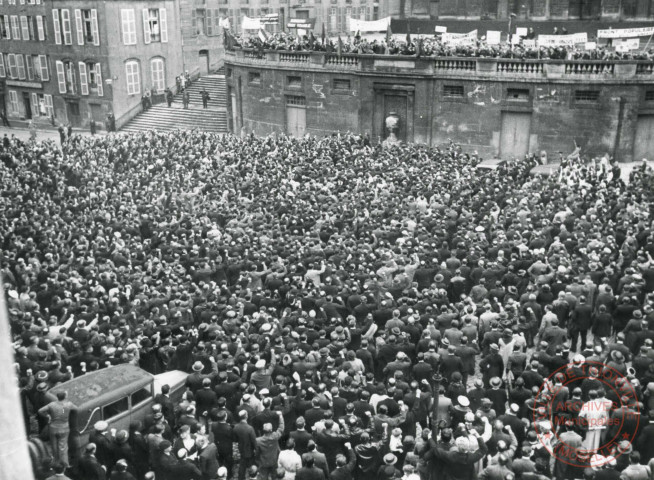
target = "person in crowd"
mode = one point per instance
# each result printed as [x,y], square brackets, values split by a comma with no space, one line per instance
[378,311]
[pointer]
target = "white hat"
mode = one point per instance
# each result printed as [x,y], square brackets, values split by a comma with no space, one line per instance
[260,364]
[463,401]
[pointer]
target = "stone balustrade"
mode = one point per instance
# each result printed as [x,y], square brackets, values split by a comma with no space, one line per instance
[589,70]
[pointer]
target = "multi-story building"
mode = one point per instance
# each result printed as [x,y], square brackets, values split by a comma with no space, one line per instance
[70,61]
[202,35]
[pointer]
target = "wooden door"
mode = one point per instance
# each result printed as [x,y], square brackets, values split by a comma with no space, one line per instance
[515,134]
[296,121]
[644,140]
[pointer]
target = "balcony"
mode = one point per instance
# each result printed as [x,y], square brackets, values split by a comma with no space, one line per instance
[466,67]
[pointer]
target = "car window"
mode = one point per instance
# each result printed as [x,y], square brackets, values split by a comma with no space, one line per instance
[141,395]
[115,408]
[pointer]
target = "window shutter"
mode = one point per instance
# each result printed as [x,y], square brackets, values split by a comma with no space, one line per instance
[65,23]
[29,64]
[94,27]
[125,21]
[39,28]
[24,28]
[83,79]
[61,76]
[79,27]
[147,33]
[98,75]
[35,104]
[13,99]
[57,27]
[163,25]
[20,63]
[7,29]
[11,61]
[49,108]
[209,21]
[3,73]
[43,65]
[15,27]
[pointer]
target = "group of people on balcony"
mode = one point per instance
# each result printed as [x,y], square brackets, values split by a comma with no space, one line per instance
[433,46]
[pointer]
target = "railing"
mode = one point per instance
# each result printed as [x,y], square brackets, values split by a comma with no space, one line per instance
[519,66]
[294,57]
[589,67]
[455,64]
[500,67]
[343,61]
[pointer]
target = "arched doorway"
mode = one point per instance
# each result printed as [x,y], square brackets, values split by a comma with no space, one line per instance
[203,61]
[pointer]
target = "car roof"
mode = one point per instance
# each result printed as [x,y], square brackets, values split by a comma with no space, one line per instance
[103,386]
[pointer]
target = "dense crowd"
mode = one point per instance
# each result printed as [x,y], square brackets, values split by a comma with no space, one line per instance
[342,310]
[433,46]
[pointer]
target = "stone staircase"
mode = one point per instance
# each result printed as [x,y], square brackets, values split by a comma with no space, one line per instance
[212,119]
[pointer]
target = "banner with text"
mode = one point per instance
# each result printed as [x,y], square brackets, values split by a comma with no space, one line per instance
[250,23]
[562,40]
[457,39]
[626,32]
[369,26]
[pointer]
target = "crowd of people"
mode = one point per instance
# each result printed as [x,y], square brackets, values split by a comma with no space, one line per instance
[342,310]
[433,46]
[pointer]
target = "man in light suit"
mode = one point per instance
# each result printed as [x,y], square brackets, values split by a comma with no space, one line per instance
[58,412]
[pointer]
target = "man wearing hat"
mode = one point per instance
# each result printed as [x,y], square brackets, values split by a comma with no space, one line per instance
[388,471]
[492,365]
[99,436]
[247,441]
[58,413]
[194,380]
[207,458]
[88,466]
[164,464]
[262,377]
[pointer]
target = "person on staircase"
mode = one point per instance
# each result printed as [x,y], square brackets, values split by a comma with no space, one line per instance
[169,97]
[205,98]
[186,99]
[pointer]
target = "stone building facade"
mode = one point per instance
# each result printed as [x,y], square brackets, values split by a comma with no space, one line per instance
[70,61]
[495,106]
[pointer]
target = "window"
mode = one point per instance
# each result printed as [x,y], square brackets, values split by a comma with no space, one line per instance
[11,62]
[453,91]
[295,101]
[38,105]
[294,81]
[517,94]
[158,75]
[29,63]
[92,73]
[73,108]
[141,396]
[119,406]
[32,27]
[5,30]
[24,27]
[43,67]
[198,18]
[49,107]
[129,26]
[133,78]
[586,96]
[3,72]
[13,101]
[155,25]
[71,83]
[20,65]
[649,96]
[342,84]
[254,78]
[15,27]
[86,24]
[40,27]
[65,27]
[83,79]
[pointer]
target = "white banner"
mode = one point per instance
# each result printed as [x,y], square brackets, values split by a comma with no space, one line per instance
[591,45]
[627,45]
[224,22]
[626,32]
[456,39]
[521,31]
[529,43]
[493,37]
[440,29]
[251,23]
[372,26]
[562,40]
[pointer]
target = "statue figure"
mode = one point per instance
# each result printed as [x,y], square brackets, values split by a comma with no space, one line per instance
[392,123]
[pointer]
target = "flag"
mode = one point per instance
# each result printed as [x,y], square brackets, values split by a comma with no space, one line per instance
[419,47]
[262,35]
[339,49]
[323,33]
[389,33]
[312,39]
[408,33]
[357,36]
